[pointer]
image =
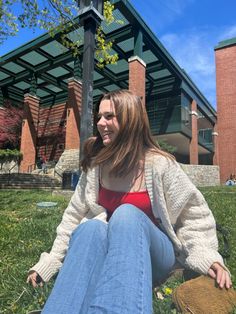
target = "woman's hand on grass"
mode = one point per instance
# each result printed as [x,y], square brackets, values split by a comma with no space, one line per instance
[34,279]
[221,275]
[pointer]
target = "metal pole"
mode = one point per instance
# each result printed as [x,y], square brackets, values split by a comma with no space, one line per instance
[90,17]
[86,124]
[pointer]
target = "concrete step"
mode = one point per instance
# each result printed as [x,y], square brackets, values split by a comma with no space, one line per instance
[27,180]
[28,187]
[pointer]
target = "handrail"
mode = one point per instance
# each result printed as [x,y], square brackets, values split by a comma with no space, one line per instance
[8,172]
[58,173]
[31,168]
[16,163]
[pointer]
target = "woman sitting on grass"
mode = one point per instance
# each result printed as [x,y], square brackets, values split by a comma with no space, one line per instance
[133,216]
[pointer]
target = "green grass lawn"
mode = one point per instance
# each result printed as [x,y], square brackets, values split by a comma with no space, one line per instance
[26,231]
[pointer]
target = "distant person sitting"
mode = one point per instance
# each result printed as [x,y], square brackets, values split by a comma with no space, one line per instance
[231,180]
[43,160]
[234,178]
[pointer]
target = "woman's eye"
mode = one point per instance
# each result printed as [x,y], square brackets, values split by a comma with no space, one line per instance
[109,116]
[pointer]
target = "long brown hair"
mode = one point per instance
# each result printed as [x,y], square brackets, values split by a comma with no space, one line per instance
[133,140]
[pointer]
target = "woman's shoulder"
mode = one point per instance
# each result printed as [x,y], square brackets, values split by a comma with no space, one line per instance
[161,161]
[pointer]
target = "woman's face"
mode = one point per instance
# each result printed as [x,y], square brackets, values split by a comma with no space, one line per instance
[107,125]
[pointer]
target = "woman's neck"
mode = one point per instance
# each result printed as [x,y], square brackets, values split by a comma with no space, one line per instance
[132,182]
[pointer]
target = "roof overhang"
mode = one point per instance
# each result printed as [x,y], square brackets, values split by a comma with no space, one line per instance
[53,65]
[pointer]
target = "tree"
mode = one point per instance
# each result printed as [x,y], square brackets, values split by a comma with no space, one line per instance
[167,147]
[10,127]
[56,17]
[9,155]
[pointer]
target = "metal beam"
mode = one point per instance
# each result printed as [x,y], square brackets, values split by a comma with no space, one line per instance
[154,66]
[13,80]
[120,34]
[138,43]
[113,78]
[49,90]
[8,72]
[34,44]
[16,90]
[50,79]
[44,53]
[100,83]
[42,68]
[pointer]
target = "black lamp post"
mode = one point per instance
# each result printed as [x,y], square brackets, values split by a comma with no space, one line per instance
[90,15]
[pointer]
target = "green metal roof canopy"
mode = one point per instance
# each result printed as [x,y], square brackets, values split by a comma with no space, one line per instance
[47,60]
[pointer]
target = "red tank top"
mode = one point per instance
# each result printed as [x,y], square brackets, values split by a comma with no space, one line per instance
[112,199]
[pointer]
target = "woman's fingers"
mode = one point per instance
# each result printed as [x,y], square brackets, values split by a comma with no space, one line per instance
[221,275]
[211,273]
[34,279]
[228,281]
[221,278]
[225,280]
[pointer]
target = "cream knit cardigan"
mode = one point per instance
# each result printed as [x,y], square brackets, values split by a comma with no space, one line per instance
[181,208]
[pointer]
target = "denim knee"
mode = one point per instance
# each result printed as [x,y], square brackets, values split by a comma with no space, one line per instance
[92,226]
[126,213]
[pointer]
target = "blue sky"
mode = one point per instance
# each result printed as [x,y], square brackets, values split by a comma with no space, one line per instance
[189,29]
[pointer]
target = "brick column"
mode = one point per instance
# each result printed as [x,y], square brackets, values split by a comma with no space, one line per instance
[73,114]
[29,132]
[225,56]
[193,147]
[137,77]
[216,146]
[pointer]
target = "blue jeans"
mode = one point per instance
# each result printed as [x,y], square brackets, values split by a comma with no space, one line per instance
[110,268]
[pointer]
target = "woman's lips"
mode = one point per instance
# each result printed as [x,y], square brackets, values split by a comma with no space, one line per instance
[106,134]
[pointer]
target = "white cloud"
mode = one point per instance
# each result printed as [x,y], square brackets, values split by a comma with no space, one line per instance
[160,13]
[175,6]
[193,50]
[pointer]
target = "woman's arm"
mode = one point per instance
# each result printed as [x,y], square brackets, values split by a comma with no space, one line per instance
[195,224]
[49,263]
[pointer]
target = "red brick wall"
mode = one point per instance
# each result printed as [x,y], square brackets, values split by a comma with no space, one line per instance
[58,127]
[73,114]
[1,113]
[226,109]
[137,77]
[51,131]
[1,123]
[29,132]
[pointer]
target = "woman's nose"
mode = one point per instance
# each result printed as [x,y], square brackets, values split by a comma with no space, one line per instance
[102,121]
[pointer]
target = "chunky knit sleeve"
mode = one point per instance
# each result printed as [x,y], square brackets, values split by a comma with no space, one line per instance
[49,263]
[195,225]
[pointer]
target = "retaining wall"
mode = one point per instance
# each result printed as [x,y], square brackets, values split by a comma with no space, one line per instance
[7,167]
[202,175]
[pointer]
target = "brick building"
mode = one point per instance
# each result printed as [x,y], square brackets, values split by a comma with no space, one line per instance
[45,78]
[225,56]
